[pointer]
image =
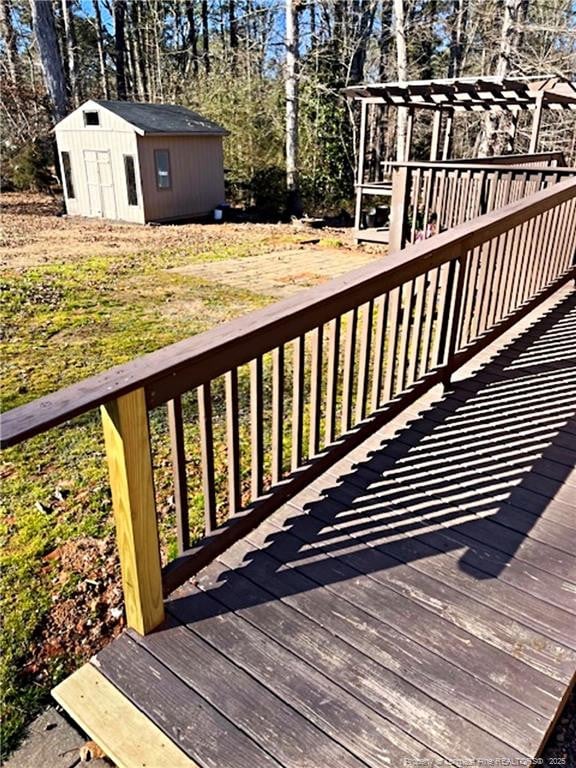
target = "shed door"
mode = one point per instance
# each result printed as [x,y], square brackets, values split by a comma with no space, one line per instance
[101,197]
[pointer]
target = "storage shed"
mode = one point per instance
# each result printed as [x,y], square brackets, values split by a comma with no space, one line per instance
[140,162]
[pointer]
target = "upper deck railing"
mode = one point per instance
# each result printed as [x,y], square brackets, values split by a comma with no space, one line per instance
[535,160]
[285,391]
[428,198]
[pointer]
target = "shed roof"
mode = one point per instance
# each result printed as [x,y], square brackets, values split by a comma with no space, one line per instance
[472,93]
[162,118]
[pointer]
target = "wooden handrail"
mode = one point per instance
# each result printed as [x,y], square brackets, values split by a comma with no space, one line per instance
[481,164]
[183,365]
[517,159]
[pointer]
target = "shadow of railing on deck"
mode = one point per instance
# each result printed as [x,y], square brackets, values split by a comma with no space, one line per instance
[496,449]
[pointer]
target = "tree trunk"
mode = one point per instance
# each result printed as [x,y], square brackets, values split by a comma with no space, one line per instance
[385,38]
[9,37]
[205,36]
[233,29]
[120,48]
[101,51]
[458,22]
[192,57]
[291,88]
[139,53]
[70,42]
[498,127]
[363,23]
[47,42]
[402,72]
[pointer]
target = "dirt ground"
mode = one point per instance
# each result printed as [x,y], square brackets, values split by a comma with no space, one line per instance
[34,232]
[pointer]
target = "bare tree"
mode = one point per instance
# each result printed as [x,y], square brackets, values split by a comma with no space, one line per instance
[120,48]
[458,22]
[47,42]
[139,52]
[402,72]
[499,127]
[101,50]
[205,36]
[291,88]
[70,43]
[9,37]
[385,38]
[192,51]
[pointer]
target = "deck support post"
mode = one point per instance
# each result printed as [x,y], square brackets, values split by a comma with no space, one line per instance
[127,440]
[361,161]
[536,121]
[446,149]
[398,207]
[436,128]
[409,134]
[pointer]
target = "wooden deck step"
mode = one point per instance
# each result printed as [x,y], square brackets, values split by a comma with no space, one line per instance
[120,729]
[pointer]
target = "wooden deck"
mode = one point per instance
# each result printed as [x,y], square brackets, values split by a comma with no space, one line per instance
[416,602]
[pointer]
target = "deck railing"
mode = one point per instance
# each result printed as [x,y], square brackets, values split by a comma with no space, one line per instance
[305,380]
[432,197]
[536,160]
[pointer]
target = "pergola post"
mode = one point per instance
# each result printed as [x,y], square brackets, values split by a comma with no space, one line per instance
[536,121]
[436,128]
[447,135]
[511,131]
[361,162]
[409,132]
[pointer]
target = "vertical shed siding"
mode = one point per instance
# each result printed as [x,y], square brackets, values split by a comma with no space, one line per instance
[116,136]
[197,176]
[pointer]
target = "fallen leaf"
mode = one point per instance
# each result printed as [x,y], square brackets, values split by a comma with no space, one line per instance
[90,751]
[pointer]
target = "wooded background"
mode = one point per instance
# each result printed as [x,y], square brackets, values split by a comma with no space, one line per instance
[270,71]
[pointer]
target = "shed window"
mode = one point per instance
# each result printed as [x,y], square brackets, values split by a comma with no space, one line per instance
[130,180]
[162,161]
[91,118]
[67,172]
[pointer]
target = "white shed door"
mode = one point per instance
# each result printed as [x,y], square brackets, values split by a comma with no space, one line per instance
[99,179]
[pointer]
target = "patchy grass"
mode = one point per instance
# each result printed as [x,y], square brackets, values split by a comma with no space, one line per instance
[79,297]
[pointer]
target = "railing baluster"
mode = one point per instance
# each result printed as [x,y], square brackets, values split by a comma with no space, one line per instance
[277,414]
[256,427]
[207,449]
[407,298]
[332,380]
[392,335]
[414,351]
[552,244]
[482,311]
[529,256]
[364,362]
[178,454]
[298,402]
[349,366]
[379,341]
[454,318]
[500,278]
[445,313]
[316,390]
[233,441]
[469,287]
[430,309]
[511,270]
[440,209]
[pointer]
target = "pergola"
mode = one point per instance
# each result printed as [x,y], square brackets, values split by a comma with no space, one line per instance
[466,94]
[445,98]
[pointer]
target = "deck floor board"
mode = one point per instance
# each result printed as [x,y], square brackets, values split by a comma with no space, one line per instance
[418,601]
